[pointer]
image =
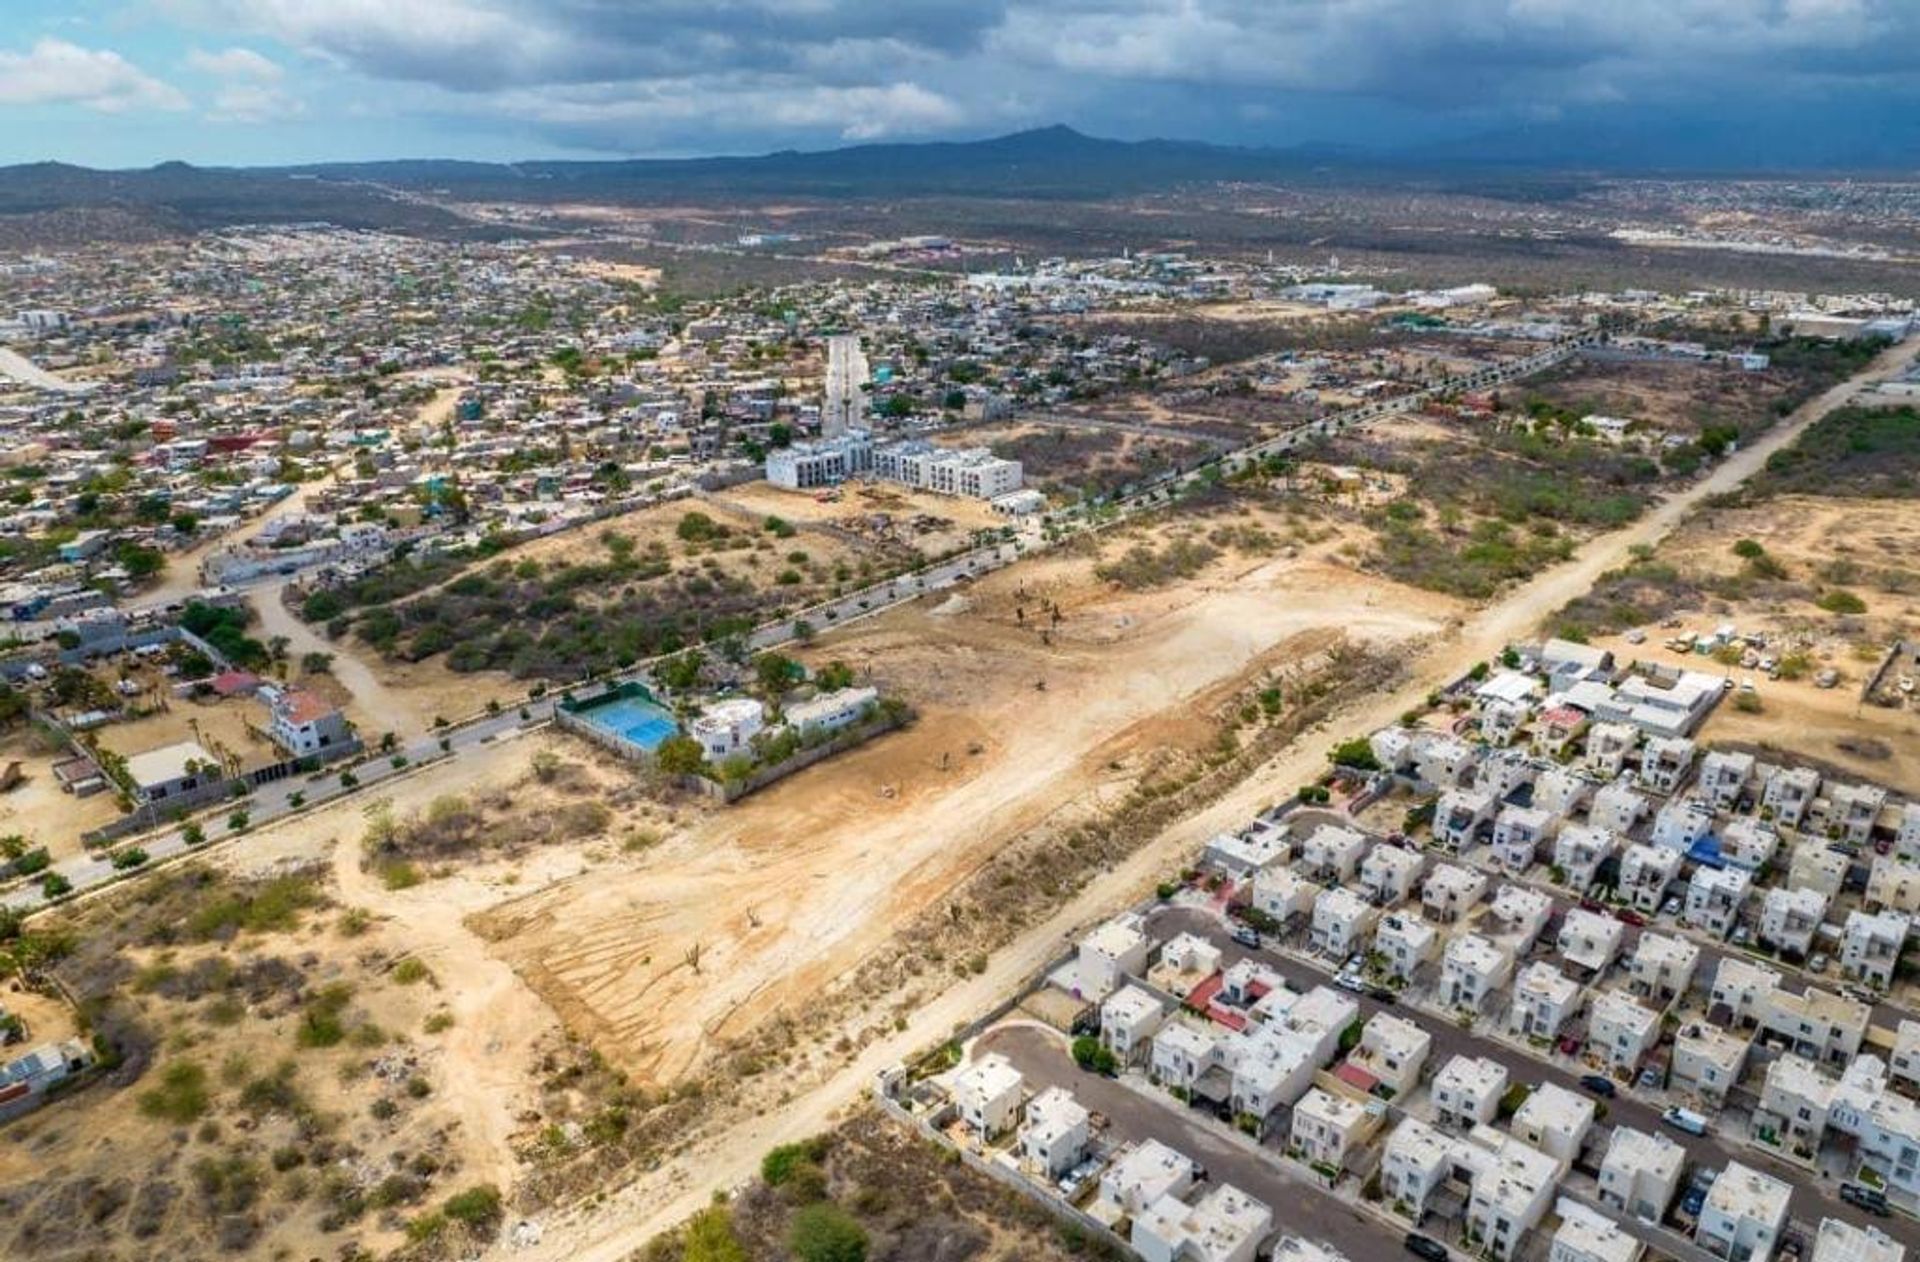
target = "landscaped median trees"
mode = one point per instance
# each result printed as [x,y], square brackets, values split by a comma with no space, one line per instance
[1094,1056]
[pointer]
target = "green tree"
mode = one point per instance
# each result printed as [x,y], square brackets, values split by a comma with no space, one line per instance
[775,671]
[680,756]
[824,1232]
[710,1237]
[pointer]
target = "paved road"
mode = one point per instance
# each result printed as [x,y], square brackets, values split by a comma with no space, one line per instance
[1811,1200]
[1300,1207]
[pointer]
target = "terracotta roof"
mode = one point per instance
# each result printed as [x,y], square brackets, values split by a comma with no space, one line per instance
[300,707]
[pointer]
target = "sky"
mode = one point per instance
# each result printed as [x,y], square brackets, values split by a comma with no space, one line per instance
[119,83]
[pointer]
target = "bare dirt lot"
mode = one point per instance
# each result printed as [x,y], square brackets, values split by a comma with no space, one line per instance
[875,513]
[39,809]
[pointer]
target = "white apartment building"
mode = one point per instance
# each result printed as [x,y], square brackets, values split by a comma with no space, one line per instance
[1578,852]
[1505,772]
[1451,891]
[1112,952]
[1714,899]
[1054,1136]
[1646,873]
[1788,794]
[1389,873]
[1182,1051]
[1815,867]
[1472,969]
[1556,1121]
[1129,1018]
[1795,1099]
[1342,922]
[1404,943]
[1746,990]
[1543,1000]
[1666,762]
[1749,842]
[1467,1090]
[1708,1060]
[1641,1173]
[1510,1184]
[971,472]
[1283,894]
[1853,810]
[1661,968]
[1744,1213]
[1818,1024]
[1414,1162]
[1590,940]
[1441,760]
[1394,1050]
[1224,1225]
[1724,777]
[987,1093]
[1518,834]
[1562,791]
[1609,746]
[1460,816]
[1332,854]
[1621,1028]
[1894,883]
[1840,1241]
[1617,806]
[1326,1127]
[1586,1235]
[1516,917]
[1680,823]
[1884,1125]
[1871,946]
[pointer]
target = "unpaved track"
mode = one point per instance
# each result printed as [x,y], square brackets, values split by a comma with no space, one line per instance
[629,1216]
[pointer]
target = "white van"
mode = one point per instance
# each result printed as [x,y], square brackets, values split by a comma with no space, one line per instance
[1685,1120]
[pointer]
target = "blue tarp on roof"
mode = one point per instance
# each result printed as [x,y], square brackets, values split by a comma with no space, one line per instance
[1707,851]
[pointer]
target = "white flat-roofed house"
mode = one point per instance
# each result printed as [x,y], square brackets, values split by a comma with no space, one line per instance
[1224,1225]
[1906,837]
[1708,1060]
[1129,1018]
[1512,1185]
[1590,940]
[1788,794]
[1106,956]
[1242,854]
[831,711]
[1795,1099]
[727,727]
[1516,917]
[1904,1064]
[1893,884]
[1556,1121]
[1505,772]
[1182,1051]
[1743,1215]
[1715,897]
[1054,1135]
[1414,1162]
[1471,970]
[1609,746]
[1621,1028]
[1326,1127]
[1840,1241]
[1853,810]
[1666,762]
[1744,989]
[1518,833]
[1393,748]
[1467,1090]
[987,1093]
[1617,806]
[1543,1000]
[1332,854]
[1284,894]
[1884,1125]
[1578,852]
[1562,791]
[1661,968]
[1815,867]
[1559,728]
[1789,917]
[1646,873]
[1680,823]
[1393,1050]
[1342,922]
[1817,1024]
[1451,891]
[1272,1067]
[1144,1173]
[1186,956]
[1443,761]
[1724,777]
[1749,842]
[1405,942]
[1587,1235]
[1389,873]
[1459,817]
[172,771]
[1871,946]
[1640,1174]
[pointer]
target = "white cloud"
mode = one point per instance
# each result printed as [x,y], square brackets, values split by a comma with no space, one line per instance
[55,72]
[236,63]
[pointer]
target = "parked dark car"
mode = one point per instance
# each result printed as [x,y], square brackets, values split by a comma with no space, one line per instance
[1383,994]
[1873,1200]
[1599,1084]
[1628,916]
[1427,1247]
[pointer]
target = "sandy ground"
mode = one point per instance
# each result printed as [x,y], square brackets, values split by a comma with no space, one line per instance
[623,1219]
[44,813]
[221,728]
[857,506]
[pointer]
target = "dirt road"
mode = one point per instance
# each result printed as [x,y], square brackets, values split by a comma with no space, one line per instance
[626,1218]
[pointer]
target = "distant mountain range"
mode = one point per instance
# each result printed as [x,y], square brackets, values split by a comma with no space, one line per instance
[1046,163]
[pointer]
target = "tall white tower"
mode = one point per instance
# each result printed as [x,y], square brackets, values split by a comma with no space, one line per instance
[846,403]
